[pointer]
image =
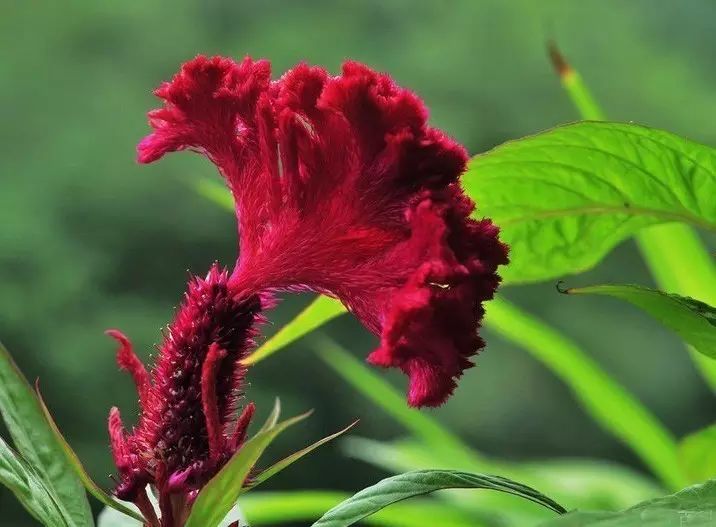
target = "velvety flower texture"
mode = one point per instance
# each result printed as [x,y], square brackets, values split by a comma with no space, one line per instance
[342,188]
[190,424]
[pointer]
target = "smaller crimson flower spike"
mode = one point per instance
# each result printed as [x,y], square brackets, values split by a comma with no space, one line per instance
[189,423]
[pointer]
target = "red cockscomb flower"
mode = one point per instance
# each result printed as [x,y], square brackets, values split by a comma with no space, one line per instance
[342,188]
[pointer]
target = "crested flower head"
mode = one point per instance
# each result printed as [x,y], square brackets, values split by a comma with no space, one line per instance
[190,422]
[342,188]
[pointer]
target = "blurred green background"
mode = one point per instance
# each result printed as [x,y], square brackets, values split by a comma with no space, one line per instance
[90,240]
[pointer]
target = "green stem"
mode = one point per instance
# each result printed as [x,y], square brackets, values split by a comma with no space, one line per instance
[676,257]
[610,405]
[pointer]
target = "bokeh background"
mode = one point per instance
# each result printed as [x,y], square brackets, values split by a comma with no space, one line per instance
[90,240]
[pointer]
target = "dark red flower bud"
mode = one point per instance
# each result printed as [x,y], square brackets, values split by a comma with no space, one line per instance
[190,423]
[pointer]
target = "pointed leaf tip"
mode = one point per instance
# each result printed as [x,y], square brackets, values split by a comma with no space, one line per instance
[273,417]
[218,496]
[285,462]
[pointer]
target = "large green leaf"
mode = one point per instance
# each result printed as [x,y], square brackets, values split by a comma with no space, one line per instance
[418,483]
[692,320]
[697,453]
[36,442]
[271,508]
[564,198]
[218,496]
[30,489]
[692,507]
[492,507]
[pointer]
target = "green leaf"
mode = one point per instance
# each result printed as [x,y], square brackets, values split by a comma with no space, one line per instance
[420,482]
[323,309]
[271,508]
[30,489]
[697,453]
[36,442]
[494,507]
[691,507]
[280,465]
[78,468]
[692,320]
[218,496]
[579,483]
[564,198]
[608,403]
